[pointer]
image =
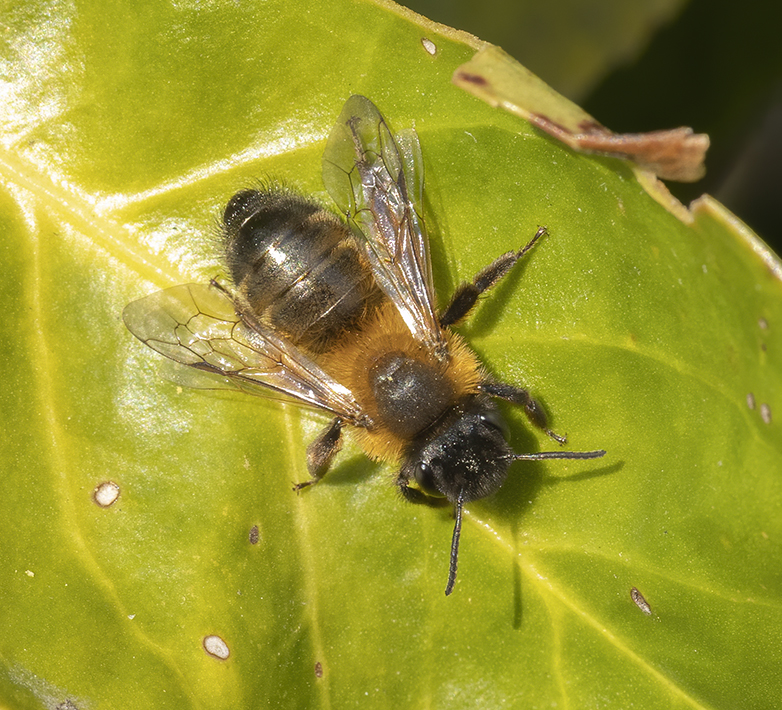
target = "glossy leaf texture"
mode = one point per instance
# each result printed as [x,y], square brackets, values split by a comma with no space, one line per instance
[125,128]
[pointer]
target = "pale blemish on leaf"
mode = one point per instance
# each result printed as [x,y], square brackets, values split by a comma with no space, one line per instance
[106,494]
[216,647]
[429,46]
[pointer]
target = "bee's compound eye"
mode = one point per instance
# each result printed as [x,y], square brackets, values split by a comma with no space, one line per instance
[425,478]
[495,420]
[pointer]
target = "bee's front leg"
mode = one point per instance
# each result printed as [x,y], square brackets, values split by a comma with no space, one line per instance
[414,495]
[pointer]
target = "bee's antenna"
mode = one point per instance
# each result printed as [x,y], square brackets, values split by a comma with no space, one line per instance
[558,455]
[457,528]
[457,531]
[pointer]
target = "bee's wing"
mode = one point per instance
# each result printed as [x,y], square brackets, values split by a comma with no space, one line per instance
[376,179]
[198,326]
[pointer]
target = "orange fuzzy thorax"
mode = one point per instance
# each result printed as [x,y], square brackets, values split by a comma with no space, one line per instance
[351,361]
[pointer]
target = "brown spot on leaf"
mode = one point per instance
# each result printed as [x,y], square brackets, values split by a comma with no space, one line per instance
[640,601]
[472,79]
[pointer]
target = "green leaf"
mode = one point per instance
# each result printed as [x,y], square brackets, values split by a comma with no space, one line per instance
[124,130]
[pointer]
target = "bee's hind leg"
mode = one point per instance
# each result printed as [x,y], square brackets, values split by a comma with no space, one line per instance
[466,295]
[321,452]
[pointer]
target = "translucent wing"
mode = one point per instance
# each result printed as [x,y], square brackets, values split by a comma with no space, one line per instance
[376,179]
[198,326]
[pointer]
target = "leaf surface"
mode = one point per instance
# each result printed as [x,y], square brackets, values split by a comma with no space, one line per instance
[124,131]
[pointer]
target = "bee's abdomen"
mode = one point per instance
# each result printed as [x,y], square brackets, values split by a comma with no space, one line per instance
[297,267]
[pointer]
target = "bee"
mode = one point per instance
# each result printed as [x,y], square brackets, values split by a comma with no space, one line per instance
[341,316]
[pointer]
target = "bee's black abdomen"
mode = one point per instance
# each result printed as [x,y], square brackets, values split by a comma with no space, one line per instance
[273,239]
[318,309]
[297,265]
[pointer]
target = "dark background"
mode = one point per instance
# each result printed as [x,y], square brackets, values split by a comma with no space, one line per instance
[714,65]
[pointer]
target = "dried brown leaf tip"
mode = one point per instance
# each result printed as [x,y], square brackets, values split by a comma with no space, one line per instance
[495,77]
[676,154]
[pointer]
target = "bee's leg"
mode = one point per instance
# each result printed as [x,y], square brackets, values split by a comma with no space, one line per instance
[520,397]
[321,451]
[413,495]
[214,283]
[466,295]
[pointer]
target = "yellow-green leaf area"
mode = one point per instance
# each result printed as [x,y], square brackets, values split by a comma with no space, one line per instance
[125,129]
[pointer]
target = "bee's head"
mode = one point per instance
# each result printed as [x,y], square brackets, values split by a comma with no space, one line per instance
[464,456]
